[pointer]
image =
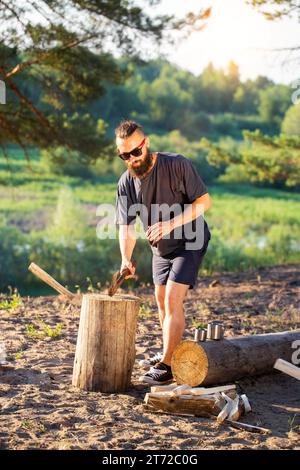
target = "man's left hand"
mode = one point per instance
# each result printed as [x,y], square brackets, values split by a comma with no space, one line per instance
[159,230]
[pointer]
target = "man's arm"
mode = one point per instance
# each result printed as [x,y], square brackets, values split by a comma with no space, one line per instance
[194,210]
[127,241]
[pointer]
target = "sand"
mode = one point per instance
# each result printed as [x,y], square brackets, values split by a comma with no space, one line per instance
[40,409]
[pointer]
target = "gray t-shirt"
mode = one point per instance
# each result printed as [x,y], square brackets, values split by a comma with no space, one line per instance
[172,184]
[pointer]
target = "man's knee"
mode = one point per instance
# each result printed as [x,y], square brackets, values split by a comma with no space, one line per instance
[173,304]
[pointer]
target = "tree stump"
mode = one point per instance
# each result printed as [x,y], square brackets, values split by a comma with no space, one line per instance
[105,350]
[218,362]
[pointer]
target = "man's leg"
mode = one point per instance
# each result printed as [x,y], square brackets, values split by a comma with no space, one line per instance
[160,292]
[174,321]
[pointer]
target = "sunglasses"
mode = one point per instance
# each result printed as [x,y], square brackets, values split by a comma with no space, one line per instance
[137,152]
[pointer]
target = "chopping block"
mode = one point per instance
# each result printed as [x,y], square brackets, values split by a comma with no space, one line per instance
[105,349]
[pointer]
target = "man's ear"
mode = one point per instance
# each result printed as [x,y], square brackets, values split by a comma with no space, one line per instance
[147,142]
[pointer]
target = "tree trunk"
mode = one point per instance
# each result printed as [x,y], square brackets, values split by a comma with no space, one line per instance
[218,362]
[105,350]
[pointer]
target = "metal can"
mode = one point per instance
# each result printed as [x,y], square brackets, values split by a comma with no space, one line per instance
[215,330]
[200,334]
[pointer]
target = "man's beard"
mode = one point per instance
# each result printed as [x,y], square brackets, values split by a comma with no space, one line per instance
[143,167]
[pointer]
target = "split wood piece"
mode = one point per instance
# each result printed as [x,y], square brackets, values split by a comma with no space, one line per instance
[105,350]
[232,410]
[215,362]
[187,390]
[180,390]
[197,406]
[247,427]
[246,403]
[163,388]
[151,409]
[287,368]
[44,276]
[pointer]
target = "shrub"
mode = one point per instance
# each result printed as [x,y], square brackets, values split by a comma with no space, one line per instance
[14,257]
[62,161]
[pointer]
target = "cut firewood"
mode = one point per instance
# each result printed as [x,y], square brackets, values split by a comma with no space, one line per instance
[151,409]
[191,390]
[234,424]
[246,403]
[163,388]
[224,413]
[227,407]
[180,390]
[199,406]
[247,427]
[236,409]
[287,368]
[215,362]
[232,410]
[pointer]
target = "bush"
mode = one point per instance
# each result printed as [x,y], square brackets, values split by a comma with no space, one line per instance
[291,122]
[69,224]
[62,161]
[14,257]
[175,142]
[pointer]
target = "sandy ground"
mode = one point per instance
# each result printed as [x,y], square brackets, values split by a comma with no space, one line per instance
[39,408]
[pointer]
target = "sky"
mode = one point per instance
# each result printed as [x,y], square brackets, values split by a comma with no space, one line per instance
[236,31]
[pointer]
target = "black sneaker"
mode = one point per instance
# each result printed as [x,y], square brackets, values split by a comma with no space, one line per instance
[158,375]
[151,361]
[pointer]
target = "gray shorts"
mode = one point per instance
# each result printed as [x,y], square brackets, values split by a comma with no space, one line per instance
[181,266]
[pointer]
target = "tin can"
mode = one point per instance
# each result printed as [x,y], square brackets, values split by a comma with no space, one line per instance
[200,334]
[215,330]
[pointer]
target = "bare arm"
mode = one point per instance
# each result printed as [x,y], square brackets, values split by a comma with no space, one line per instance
[194,210]
[127,241]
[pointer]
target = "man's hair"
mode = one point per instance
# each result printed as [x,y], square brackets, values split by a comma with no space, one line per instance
[126,128]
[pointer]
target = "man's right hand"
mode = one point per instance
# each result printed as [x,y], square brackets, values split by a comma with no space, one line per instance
[128,264]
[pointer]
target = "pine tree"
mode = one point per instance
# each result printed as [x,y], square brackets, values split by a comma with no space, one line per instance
[64,51]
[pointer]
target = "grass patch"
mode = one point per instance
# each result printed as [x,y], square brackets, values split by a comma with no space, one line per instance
[250,226]
[13,303]
[44,330]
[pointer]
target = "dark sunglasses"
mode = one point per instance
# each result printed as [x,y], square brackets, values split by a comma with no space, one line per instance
[137,152]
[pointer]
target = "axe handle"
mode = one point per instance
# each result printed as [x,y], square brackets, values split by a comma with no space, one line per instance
[39,272]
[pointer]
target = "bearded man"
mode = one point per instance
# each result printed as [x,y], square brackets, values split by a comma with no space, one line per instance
[169,196]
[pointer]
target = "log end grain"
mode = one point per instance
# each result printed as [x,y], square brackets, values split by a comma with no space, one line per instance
[114,298]
[189,363]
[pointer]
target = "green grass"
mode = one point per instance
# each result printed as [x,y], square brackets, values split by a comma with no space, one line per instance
[13,303]
[251,226]
[43,330]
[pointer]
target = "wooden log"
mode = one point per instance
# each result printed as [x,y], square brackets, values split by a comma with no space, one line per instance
[219,362]
[181,404]
[105,350]
[287,368]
